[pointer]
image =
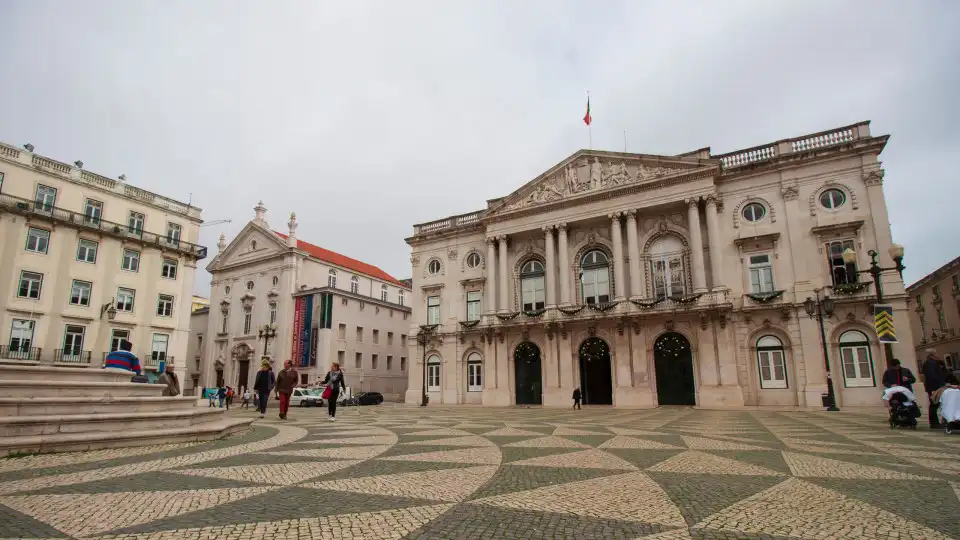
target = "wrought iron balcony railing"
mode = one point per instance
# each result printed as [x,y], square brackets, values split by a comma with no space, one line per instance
[72,356]
[27,354]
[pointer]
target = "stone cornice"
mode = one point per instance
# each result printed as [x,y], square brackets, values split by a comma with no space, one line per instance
[352,296]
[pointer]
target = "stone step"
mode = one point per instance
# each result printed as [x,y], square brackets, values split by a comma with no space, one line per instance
[96,440]
[56,388]
[51,373]
[33,406]
[24,426]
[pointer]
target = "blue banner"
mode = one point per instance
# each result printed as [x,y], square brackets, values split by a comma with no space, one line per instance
[303,332]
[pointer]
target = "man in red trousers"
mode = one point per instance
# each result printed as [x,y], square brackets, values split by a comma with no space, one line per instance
[286,381]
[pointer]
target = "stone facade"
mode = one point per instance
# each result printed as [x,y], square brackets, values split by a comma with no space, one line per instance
[648,280]
[935,313]
[255,282]
[89,260]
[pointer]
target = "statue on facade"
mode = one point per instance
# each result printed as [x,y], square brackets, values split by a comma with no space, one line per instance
[596,174]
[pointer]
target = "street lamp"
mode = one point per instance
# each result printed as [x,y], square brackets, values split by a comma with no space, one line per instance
[109,309]
[819,308]
[896,253]
[266,333]
[423,338]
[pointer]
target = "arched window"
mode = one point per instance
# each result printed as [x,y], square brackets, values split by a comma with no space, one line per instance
[831,199]
[473,259]
[531,286]
[666,267]
[474,373]
[355,285]
[595,277]
[383,293]
[770,359]
[433,373]
[856,359]
[332,278]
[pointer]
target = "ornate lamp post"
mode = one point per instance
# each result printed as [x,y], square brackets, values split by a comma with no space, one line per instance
[266,333]
[818,308]
[423,338]
[896,253]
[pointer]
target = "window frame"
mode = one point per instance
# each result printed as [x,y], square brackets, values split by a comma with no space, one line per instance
[400,298]
[590,274]
[273,312]
[78,285]
[832,260]
[87,250]
[860,381]
[433,310]
[358,360]
[374,361]
[474,306]
[753,205]
[247,320]
[40,238]
[332,278]
[755,267]
[833,204]
[433,373]
[114,342]
[475,257]
[772,382]
[124,259]
[169,263]
[157,355]
[122,306]
[160,303]
[40,202]
[67,333]
[136,222]
[225,327]
[533,290]
[93,211]
[39,283]
[20,350]
[355,285]
[174,233]
[383,293]
[474,372]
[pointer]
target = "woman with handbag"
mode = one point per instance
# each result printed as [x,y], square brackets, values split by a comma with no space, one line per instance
[334,382]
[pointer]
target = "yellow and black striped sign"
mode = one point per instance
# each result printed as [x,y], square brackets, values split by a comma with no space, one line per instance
[883,323]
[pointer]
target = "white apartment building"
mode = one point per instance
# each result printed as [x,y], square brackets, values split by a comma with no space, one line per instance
[86,261]
[275,296]
[646,280]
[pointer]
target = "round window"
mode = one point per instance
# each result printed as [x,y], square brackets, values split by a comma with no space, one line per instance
[832,198]
[754,212]
[433,266]
[473,259]
[227,289]
[249,285]
[276,281]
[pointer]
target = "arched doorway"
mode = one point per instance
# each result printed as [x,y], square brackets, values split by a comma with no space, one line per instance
[596,377]
[673,362]
[242,354]
[528,376]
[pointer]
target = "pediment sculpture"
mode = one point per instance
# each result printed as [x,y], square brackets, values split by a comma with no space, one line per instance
[586,175]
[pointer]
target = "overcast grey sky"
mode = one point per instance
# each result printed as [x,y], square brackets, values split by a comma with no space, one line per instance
[367,117]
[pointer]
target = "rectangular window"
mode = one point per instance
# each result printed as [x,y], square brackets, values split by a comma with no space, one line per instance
[135,223]
[840,271]
[400,298]
[30,284]
[247,320]
[38,240]
[936,293]
[532,293]
[158,347]
[21,338]
[358,361]
[73,343]
[941,319]
[342,331]
[359,334]
[173,233]
[474,377]
[473,305]
[116,337]
[340,357]
[80,293]
[131,260]
[433,310]
[165,305]
[920,301]
[46,198]
[761,274]
[87,251]
[389,363]
[773,372]
[403,341]
[226,321]
[383,293]
[93,212]
[375,361]
[433,376]
[389,339]
[168,268]
[124,301]
[955,279]
[376,336]
[273,312]
[856,365]
[403,363]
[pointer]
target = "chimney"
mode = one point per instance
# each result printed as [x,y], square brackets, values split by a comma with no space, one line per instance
[261,212]
[222,244]
[292,234]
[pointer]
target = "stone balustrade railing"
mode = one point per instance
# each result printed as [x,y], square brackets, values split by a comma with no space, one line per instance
[448,223]
[75,173]
[814,141]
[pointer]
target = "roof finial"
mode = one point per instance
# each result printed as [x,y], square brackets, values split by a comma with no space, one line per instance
[261,212]
[222,244]
[292,235]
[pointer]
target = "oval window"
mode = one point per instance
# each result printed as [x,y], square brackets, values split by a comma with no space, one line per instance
[473,259]
[754,212]
[276,281]
[832,199]
[249,285]
[433,266]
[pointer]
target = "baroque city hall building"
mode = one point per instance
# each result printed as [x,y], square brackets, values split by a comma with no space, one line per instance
[646,280]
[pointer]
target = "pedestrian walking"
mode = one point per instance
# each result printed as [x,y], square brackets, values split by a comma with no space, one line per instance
[229,397]
[222,395]
[933,372]
[246,399]
[263,384]
[576,398]
[334,382]
[286,380]
[170,379]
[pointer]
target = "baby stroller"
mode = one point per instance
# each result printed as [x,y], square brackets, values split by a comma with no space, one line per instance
[950,410]
[904,410]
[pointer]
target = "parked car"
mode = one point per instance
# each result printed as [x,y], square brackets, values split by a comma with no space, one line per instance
[368,398]
[305,397]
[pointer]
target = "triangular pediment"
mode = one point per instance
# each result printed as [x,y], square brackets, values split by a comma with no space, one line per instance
[255,242]
[589,172]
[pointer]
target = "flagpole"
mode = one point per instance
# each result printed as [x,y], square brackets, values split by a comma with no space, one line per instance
[589,126]
[624,141]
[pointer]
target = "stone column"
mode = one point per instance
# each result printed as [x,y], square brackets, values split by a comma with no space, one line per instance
[564,264]
[550,281]
[617,237]
[490,294]
[503,305]
[633,253]
[696,246]
[716,250]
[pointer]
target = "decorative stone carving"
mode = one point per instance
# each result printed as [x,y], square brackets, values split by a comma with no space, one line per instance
[415,260]
[704,318]
[790,193]
[452,255]
[873,178]
[669,325]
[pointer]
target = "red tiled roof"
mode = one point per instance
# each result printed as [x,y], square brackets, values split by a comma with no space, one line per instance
[343,261]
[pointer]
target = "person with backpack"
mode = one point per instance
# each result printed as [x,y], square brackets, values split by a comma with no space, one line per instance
[263,385]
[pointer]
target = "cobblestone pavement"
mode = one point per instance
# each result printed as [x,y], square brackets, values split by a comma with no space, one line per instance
[451,473]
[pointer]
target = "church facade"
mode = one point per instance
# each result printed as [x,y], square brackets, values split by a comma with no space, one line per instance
[648,280]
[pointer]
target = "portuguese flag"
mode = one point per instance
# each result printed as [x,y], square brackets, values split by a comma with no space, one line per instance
[587,118]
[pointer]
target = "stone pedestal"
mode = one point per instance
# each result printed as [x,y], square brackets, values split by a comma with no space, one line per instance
[637,398]
[720,397]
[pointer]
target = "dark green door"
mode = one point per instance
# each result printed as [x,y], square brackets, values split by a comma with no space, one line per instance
[529,378]
[673,361]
